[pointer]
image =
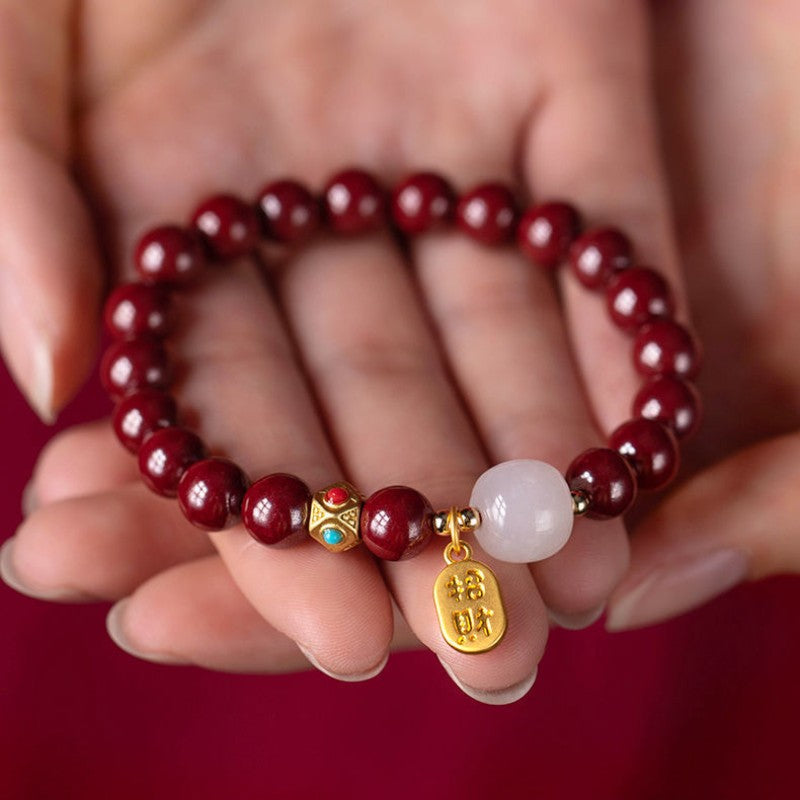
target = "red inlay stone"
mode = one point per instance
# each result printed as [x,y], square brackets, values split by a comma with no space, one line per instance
[336,496]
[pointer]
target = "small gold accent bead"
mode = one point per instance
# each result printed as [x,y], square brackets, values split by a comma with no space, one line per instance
[439,521]
[469,519]
[334,517]
[580,503]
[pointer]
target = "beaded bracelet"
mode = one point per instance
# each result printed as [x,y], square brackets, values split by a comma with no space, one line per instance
[520,511]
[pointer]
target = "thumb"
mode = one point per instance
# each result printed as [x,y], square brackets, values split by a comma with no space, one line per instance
[50,276]
[738,520]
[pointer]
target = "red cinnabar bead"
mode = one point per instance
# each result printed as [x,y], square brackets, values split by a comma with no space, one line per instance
[650,448]
[487,213]
[664,347]
[546,232]
[139,414]
[598,254]
[396,522]
[166,455]
[606,478]
[276,507]
[228,225]
[354,202]
[638,295]
[421,202]
[672,402]
[210,493]
[168,254]
[289,212]
[136,309]
[131,365]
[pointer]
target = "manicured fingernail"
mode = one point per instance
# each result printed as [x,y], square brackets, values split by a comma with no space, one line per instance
[10,577]
[499,697]
[575,622]
[30,502]
[348,678]
[677,587]
[115,626]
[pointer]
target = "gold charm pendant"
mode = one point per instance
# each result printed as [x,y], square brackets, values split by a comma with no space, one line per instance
[467,596]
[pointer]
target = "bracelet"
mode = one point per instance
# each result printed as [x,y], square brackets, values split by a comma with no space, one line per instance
[519,511]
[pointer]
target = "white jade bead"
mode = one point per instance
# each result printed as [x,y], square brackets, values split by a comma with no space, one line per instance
[526,511]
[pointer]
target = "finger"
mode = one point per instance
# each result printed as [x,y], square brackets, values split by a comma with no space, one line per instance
[194,614]
[82,460]
[396,419]
[593,141]
[50,278]
[733,522]
[98,547]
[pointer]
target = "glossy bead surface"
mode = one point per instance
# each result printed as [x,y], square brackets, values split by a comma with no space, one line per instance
[354,202]
[228,225]
[289,212]
[598,254]
[166,455]
[526,511]
[276,507]
[210,493]
[638,295]
[396,523]
[487,213]
[664,347]
[136,309]
[169,254]
[127,366]
[137,415]
[672,402]
[606,478]
[546,231]
[650,448]
[421,202]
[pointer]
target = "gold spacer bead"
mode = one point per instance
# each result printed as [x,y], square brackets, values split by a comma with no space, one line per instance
[469,519]
[580,503]
[439,522]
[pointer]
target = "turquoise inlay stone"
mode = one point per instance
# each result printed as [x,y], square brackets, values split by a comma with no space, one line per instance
[332,536]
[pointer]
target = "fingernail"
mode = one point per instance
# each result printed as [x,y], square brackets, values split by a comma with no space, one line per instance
[348,678]
[41,390]
[575,622]
[116,630]
[30,502]
[499,697]
[678,587]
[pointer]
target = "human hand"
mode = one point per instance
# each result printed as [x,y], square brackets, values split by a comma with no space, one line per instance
[471,360]
[728,79]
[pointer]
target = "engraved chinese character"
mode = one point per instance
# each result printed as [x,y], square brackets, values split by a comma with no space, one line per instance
[474,583]
[484,620]
[456,587]
[463,621]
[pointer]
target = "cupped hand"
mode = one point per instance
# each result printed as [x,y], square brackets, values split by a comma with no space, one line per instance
[354,359]
[728,80]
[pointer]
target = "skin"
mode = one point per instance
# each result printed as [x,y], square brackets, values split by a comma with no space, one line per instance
[458,357]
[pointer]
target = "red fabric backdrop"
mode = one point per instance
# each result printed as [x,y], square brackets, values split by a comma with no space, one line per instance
[704,707]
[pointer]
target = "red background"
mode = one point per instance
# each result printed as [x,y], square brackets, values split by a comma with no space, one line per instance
[704,707]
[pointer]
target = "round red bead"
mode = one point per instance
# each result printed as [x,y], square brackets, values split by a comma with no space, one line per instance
[650,448]
[210,493]
[421,202]
[354,202]
[607,480]
[138,415]
[336,496]
[136,309]
[396,522]
[127,366]
[672,402]
[289,212]
[487,213]
[638,295]
[168,254]
[546,231]
[664,347]
[276,507]
[597,254]
[165,455]
[228,225]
